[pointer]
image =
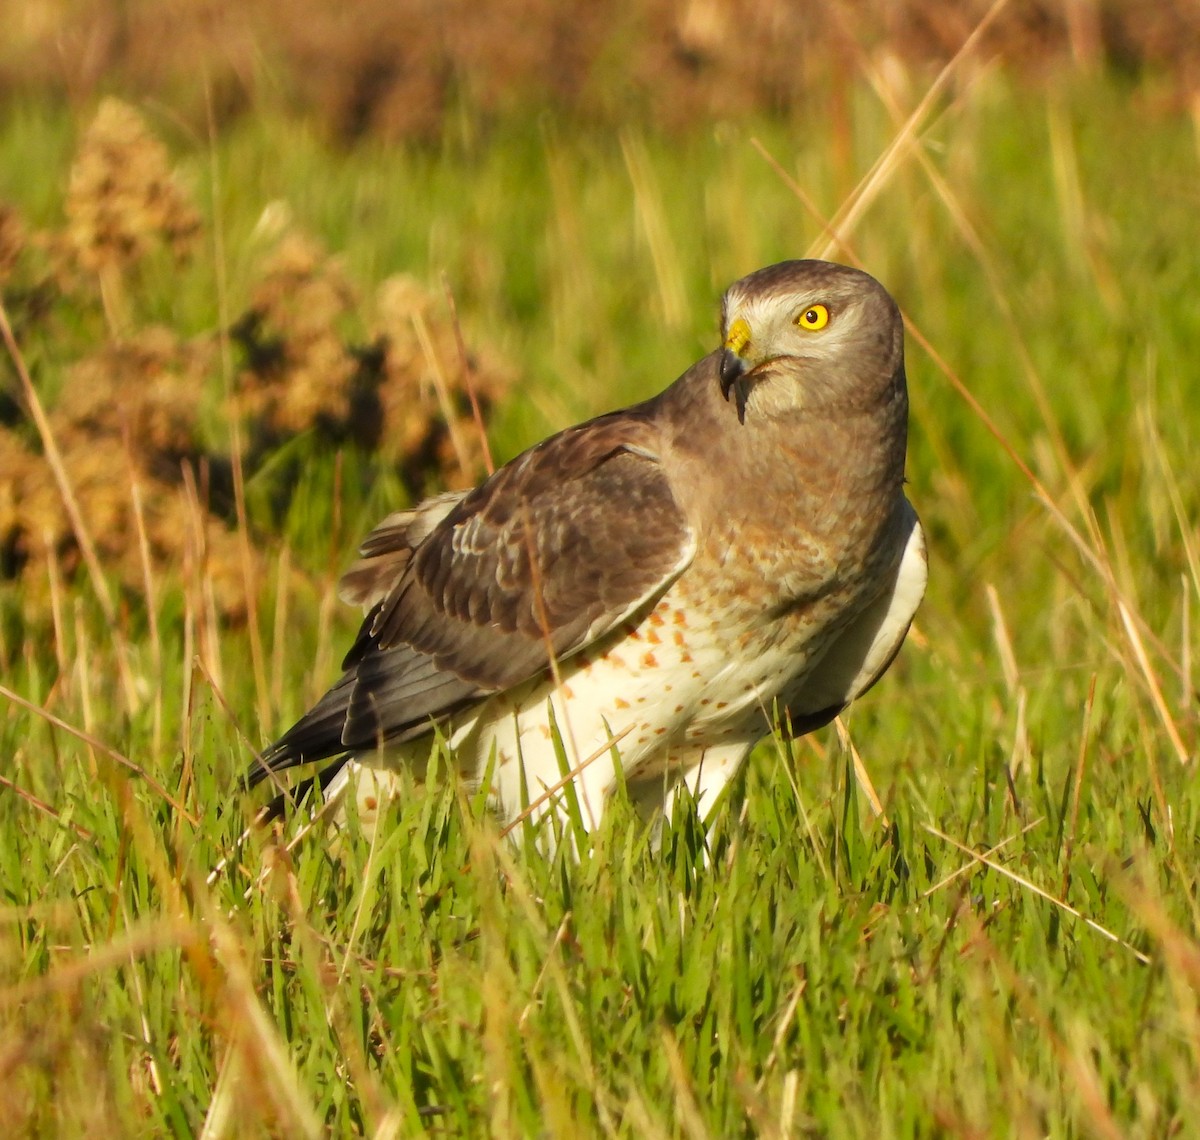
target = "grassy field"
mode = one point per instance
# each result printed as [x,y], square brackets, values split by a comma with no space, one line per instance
[1010,949]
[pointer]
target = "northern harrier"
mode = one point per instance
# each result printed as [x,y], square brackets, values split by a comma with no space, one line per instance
[676,577]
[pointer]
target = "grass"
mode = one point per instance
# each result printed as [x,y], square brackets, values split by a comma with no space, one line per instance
[1011,951]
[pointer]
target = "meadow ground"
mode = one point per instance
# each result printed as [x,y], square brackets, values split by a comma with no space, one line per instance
[1008,947]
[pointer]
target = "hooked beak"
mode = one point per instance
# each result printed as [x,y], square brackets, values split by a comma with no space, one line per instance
[734,365]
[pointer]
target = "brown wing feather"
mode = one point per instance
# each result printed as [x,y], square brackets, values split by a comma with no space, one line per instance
[553,550]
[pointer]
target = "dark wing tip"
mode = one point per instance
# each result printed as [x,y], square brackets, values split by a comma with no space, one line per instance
[315,736]
[293,798]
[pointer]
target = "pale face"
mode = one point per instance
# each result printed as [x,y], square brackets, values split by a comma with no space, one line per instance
[817,324]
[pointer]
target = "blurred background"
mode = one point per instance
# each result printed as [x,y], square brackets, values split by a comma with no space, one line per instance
[278,212]
[415,69]
[270,269]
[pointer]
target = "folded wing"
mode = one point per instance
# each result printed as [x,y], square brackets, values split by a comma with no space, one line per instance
[475,594]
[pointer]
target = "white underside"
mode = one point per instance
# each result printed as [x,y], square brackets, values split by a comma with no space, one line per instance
[693,730]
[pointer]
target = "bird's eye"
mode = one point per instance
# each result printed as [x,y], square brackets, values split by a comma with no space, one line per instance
[813,318]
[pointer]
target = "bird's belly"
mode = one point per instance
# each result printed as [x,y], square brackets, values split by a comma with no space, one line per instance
[661,692]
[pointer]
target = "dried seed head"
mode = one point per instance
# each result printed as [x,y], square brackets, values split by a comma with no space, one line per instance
[13,241]
[123,199]
[301,371]
[427,423]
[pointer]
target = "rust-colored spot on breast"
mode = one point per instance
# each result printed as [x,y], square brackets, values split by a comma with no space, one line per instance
[650,661]
[679,708]
[722,704]
[370,803]
[678,639]
[659,731]
[567,691]
[620,703]
[685,658]
[656,617]
[653,637]
[705,701]
[679,617]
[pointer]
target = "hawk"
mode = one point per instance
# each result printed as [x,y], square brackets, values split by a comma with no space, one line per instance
[652,590]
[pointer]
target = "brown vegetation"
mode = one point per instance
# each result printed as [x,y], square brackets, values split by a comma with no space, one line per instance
[397,67]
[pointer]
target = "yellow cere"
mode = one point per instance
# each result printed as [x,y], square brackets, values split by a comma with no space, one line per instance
[738,336]
[813,318]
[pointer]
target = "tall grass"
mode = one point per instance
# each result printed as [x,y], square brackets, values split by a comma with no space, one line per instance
[1010,948]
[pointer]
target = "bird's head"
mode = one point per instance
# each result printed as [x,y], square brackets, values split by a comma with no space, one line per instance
[820,332]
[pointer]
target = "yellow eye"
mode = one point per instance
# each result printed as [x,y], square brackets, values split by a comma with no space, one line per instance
[813,318]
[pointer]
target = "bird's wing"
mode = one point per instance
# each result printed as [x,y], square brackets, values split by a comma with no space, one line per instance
[866,648]
[550,553]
